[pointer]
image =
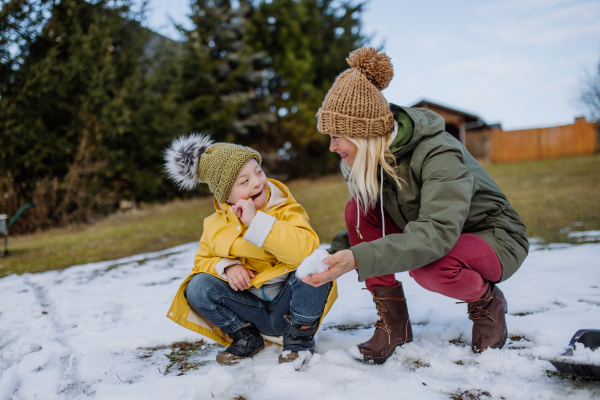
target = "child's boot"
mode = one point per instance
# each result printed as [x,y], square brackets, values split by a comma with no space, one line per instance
[247,341]
[297,337]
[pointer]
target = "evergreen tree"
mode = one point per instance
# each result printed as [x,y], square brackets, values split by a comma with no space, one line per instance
[64,111]
[306,43]
[89,98]
[20,24]
[220,73]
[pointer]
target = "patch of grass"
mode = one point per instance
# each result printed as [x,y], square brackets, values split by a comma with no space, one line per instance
[473,394]
[458,342]
[416,364]
[348,327]
[325,201]
[521,314]
[555,374]
[153,349]
[517,342]
[517,338]
[459,362]
[157,227]
[554,197]
[180,357]
[150,228]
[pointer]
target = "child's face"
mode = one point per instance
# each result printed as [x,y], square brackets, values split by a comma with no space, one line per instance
[250,183]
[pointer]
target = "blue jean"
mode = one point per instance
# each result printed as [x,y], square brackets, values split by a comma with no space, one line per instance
[228,309]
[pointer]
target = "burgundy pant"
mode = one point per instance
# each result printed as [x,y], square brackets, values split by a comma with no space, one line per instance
[462,274]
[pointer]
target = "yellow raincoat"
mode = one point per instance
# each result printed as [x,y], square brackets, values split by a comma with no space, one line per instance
[290,240]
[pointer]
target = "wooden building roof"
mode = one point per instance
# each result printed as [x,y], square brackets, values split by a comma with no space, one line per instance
[453,116]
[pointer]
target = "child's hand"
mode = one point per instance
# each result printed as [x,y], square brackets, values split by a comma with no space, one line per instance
[245,210]
[238,276]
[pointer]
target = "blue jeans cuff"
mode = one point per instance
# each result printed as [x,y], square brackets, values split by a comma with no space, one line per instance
[232,326]
[302,319]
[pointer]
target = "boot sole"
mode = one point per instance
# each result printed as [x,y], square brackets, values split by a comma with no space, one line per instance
[236,359]
[504,340]
[382,360]
[505,325]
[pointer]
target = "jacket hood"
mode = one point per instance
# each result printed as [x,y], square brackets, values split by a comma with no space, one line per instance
[426,123]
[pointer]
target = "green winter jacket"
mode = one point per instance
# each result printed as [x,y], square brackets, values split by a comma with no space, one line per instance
[446,193]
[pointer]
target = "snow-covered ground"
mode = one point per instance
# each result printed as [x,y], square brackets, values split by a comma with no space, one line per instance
[100,331]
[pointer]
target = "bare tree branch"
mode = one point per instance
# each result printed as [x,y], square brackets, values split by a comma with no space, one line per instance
[590,94]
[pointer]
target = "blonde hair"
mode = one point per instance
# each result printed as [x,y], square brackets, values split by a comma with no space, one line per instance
[371,153]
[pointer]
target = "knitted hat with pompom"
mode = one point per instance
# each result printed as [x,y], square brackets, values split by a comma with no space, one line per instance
[354,106]
[195,159]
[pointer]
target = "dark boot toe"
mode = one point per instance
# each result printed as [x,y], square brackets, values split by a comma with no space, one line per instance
[489,321]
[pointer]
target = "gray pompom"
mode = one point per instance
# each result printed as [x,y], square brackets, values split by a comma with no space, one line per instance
[182,158]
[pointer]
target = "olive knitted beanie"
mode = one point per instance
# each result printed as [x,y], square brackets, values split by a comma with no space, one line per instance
[354,106]
[194,158]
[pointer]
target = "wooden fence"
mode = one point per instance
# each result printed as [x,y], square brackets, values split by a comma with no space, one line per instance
[500,146]
[478,143]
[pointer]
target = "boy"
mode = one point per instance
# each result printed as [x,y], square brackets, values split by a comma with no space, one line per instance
[242,286]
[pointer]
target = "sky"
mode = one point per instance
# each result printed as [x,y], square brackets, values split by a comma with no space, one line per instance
[521,63]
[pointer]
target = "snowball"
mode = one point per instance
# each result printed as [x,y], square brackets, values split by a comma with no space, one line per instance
[313,264]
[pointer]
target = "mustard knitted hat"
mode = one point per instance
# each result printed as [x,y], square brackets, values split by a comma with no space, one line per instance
[194,158]
[354,106]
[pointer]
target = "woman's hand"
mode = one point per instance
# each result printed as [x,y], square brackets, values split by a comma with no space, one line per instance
[238,277]
[339,263]
[245,210]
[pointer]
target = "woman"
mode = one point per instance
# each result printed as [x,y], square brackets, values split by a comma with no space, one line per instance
[419,203]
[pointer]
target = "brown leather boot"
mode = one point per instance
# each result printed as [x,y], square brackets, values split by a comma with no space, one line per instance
[489,322]
[393,328]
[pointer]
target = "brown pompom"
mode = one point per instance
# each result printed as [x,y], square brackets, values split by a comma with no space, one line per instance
[376,67]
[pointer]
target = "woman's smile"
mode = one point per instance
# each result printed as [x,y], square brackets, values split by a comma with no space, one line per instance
[344,148]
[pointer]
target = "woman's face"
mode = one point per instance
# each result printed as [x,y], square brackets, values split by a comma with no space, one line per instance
[345,148]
